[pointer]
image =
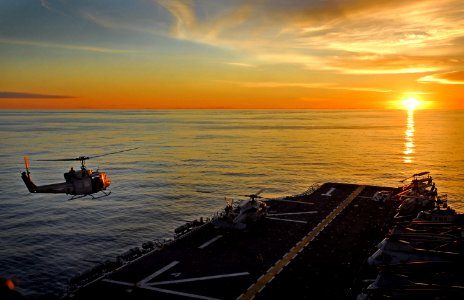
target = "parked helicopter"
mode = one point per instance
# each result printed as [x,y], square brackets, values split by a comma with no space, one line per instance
[242,214]
[391,252]
[79,184]
[422,282]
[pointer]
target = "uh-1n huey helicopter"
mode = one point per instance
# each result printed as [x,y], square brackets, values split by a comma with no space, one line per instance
[84,182]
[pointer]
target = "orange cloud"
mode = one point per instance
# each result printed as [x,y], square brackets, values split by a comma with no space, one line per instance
[21,95]
[336,33]
[456,77]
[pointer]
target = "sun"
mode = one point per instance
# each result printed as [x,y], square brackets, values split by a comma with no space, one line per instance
[411,103]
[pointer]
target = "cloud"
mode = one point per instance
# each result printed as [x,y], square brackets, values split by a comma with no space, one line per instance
[241,64]
[456,77]
[362,89]
[19,95]
[182,11]
[331,34]
[322,85]
[272,84]
[45,4]
[153,26]
[63,46]
[365,63]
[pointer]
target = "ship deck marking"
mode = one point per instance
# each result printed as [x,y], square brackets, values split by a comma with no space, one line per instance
[288,220]
[159,272]
[152,286]
[278,267]
[119,282]
[329,193]
[198,278]
[293,201]
[210,242]
[149,287]
[294,213]
[178,293]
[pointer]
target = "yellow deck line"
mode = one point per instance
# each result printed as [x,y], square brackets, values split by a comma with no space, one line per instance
[277,268]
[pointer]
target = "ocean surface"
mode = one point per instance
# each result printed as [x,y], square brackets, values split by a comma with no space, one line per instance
[188,161]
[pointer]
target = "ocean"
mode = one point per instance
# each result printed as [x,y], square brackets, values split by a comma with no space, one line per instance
[186,163]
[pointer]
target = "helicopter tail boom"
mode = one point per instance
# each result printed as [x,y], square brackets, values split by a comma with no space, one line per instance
[56,188]
[27,180]
[50,188]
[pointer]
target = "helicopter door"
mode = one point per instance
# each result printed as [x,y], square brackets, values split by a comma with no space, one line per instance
[83,186]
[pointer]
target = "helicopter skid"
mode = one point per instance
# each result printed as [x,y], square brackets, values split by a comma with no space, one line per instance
[93,197]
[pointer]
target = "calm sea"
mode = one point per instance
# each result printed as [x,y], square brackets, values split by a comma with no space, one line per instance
[188,161]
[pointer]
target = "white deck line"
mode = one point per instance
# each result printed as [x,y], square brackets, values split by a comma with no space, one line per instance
[293,201]
[197,279]
[160,271]
[210,242]
[294,213]
[178,293]
[288,220]
[119,282]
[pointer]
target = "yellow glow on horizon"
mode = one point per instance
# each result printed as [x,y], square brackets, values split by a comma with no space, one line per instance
[411,103]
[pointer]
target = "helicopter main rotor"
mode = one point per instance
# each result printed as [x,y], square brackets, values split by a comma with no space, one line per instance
[82,159]
[415,175]
[255,196]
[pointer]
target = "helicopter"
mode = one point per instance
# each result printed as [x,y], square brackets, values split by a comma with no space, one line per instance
[79,184]
[393,251]
[243,214]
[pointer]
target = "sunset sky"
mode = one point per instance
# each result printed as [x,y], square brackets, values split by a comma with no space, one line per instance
[231,54]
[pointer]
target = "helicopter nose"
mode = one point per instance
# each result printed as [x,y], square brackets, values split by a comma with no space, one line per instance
[105,180]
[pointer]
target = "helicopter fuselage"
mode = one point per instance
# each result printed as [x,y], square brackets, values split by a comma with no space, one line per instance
[78,183]
[84,182]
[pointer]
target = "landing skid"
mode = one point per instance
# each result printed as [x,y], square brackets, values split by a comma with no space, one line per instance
[104,195]
[93,197]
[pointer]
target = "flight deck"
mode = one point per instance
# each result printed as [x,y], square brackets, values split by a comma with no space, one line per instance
[310,244]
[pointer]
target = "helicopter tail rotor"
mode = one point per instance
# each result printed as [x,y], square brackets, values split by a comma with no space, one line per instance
[26,162]
[26,176]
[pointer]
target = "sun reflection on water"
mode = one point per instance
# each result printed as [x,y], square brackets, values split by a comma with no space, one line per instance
[409,138]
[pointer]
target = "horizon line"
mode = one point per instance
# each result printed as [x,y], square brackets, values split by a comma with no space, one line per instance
[226,108]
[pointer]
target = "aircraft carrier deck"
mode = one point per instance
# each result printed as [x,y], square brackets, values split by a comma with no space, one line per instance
[311,244]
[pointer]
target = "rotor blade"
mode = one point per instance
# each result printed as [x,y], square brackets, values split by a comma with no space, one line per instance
[63,159]
[85,157]
[255,195]
[406,178]
[415,175]
[113,152]
[252,196]
[259,192]
[421,173]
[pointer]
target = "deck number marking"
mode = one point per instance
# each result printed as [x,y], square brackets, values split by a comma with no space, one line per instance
[329,193]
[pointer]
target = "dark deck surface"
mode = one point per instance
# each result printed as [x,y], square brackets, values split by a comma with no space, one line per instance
[309,245]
